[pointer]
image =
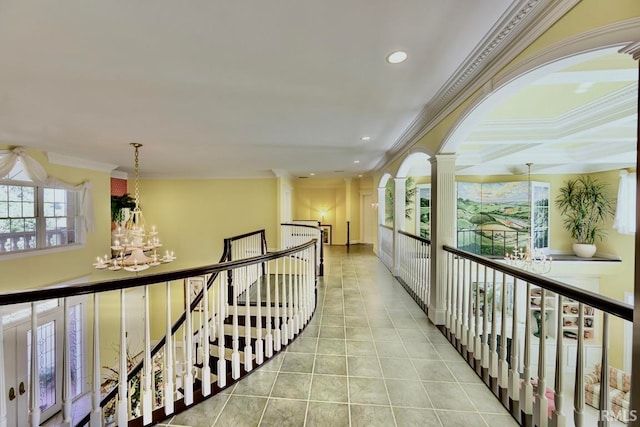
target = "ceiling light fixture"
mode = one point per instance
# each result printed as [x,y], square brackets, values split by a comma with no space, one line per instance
[397,57]
[356,161]
[133,240]
[365,138]
[312,174]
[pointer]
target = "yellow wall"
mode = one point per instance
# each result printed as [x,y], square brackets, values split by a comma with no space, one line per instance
[194,216]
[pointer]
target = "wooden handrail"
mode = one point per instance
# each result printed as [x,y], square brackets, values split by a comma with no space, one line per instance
[416,237]
[605,304]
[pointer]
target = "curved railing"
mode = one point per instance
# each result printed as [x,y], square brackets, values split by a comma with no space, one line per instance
[295,233]
[537,342]
[242,311]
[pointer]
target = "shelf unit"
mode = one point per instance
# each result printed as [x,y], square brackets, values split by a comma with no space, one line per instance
[535,302]
[570,313]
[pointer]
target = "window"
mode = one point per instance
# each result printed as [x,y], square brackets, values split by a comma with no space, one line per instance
[35,217]
[423,208]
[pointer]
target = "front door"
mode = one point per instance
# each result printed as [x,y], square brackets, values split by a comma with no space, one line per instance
[17,352]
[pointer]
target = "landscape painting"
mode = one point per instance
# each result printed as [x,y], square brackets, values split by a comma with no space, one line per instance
[493,218]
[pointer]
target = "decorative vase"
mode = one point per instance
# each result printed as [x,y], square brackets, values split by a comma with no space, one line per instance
[584,250]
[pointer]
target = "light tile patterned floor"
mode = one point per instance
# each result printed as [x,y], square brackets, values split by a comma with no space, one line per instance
[370,357]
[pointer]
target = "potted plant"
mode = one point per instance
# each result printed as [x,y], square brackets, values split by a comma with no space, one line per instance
[586,205]
[118,206]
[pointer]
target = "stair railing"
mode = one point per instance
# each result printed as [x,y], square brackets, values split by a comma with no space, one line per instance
[281,301]
[295,234]
[415,266]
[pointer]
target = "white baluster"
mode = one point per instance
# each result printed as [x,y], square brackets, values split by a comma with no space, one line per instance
[503,368]
[169,393]
[459,299]
[514,373]
[66,369]
[477,348]
[147,372]
[235,339]
[540,415]
[526,392]
[206,360]
[578,390]
[485,363]
[248,351]
[448,323]
[96,411]
[34,386]
[123,371]
[464,314]
[222,363]
[558,413]
[296,298]
[277,339]
[283,324]
[291,297]
[187,381]
[455,279]
[493,354]
[268,337]
[604,412]
[470,316]
[259,319]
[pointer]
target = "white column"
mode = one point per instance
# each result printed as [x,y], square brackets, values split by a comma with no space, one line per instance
[381,209]
[399,209]
[443,228]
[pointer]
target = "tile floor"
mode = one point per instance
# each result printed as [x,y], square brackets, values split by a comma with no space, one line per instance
[370,357]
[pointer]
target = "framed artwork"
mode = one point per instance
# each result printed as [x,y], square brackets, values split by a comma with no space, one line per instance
[326,233]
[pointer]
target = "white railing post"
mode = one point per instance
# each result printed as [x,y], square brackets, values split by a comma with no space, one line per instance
[235,339]
[221,372]
[558,413]
[604,413]
[147,372]
[259,340]
[578,390]
[123,371]
[248,350]
[540,415]
[169,394]
[514,373]
[34,386]
[96,411]
[66,368]
[464,314]
[503,370]
[526,392]
[206,344]
[187,379]
[277,338]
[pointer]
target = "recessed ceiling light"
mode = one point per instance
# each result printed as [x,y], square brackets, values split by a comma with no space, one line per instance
[312,174]
[397,57]
[365,138]
[356,161]
[360,176]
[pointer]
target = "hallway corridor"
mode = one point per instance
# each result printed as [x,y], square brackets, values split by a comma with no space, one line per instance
[370,357]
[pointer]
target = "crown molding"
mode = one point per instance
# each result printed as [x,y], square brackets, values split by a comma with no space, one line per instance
[520,26]
[76,162]
[632,49]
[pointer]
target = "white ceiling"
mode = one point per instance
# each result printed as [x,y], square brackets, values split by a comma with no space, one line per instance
[227,88]
[217,88]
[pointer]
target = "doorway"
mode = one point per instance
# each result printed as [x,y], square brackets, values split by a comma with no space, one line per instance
[367,215]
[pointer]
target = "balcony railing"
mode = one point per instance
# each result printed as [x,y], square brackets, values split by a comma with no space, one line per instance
[385,236]
[537,342]
[415,266]
[239,313]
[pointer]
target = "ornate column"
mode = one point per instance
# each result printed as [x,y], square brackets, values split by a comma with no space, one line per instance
[399,208]
[381,210]
[443,230]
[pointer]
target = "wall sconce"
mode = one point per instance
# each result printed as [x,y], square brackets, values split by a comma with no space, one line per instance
[374,205]
[322,215]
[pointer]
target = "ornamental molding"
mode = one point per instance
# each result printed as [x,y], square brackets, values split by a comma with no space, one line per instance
[519,26]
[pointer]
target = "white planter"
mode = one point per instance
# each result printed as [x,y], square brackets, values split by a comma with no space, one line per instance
[584,250]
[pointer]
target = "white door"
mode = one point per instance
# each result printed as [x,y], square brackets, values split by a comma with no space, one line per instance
[368,218]
[17,352]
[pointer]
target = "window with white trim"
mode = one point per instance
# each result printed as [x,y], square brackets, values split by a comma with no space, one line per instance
[34,216]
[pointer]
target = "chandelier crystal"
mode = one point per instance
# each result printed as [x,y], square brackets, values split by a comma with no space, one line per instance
[134,247]
[529,258]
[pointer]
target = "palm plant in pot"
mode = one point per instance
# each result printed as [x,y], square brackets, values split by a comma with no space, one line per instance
[586,205]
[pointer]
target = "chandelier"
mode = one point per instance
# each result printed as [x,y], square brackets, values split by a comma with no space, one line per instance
[529,258]
[134,248]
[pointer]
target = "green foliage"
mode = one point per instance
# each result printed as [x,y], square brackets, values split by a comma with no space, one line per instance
[118,204]
[585,204]
[410,194]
